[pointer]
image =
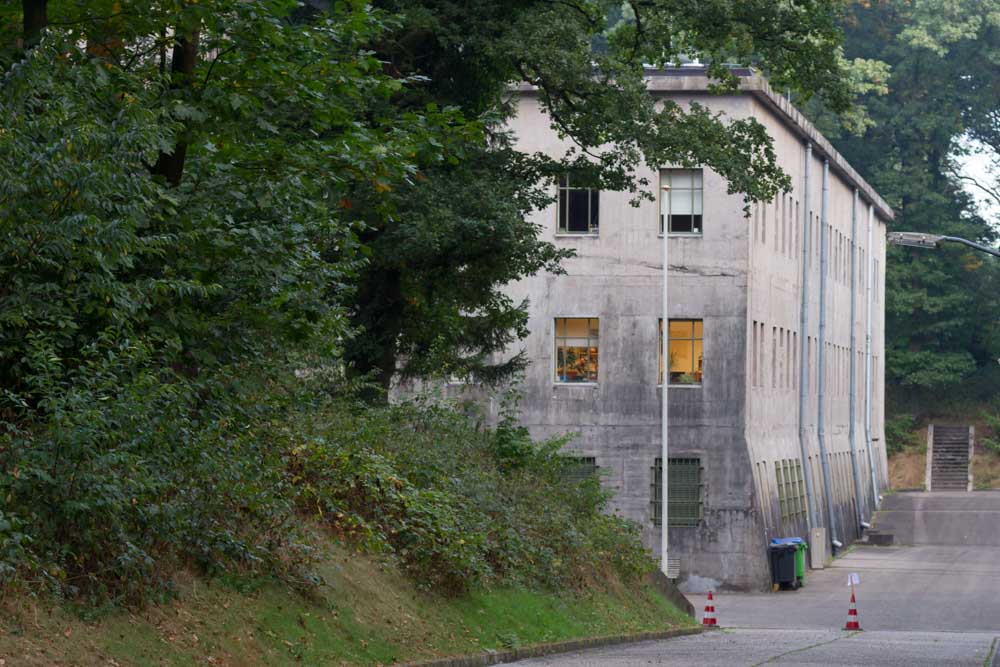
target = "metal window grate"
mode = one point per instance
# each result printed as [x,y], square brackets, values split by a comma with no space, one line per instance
[686,492]
[579,468]
[791,489]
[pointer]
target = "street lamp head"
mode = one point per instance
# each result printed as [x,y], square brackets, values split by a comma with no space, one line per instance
[915,239]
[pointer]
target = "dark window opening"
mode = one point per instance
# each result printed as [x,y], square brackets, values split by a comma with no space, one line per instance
[578,208]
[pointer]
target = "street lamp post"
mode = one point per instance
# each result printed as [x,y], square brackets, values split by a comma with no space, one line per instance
[665,564]
[921,240]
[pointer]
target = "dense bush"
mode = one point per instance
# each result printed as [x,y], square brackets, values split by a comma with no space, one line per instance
[992,420]
[114,487]
[117,486]
[456,504]
[901,433]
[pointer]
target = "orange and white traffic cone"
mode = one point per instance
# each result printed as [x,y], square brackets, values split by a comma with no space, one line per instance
[709,617]
[852,615]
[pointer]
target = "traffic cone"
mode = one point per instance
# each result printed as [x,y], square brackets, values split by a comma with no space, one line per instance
[852,615]
[709,617]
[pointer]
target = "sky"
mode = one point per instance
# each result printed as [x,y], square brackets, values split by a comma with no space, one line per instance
[981,164]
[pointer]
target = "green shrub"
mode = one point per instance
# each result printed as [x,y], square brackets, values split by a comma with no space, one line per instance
[901,433]
[991,442]
[456,504]
[122,481]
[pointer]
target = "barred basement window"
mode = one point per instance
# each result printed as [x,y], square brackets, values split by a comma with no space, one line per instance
[577,208]
[685,492]
[579,468]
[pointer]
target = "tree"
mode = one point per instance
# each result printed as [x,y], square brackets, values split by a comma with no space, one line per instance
[176,186]
[942,307]
[430,298]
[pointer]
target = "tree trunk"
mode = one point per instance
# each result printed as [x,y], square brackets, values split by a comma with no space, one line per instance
[185,57]
[379,313]
[36,19]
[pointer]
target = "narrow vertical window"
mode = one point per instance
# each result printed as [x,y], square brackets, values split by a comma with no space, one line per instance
[797,227]
[774,357]
[578,208]
[576,348]
[794,373]
[753,354]
[789,367]
[763,223]
[681,205]
[784,224]
[777,227]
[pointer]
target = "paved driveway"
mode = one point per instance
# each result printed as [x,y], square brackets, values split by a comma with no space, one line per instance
[935,600]
[948,580]
[736,648]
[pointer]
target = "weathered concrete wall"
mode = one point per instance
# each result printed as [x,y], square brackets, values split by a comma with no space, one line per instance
[777,234]
[616,277]
[741,277]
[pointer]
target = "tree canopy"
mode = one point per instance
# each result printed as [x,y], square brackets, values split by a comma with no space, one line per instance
[942,307]
[291,169]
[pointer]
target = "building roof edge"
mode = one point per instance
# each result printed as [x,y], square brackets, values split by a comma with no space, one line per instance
[795,120]
[694,79]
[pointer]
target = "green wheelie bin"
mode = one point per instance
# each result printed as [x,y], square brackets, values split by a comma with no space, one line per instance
[800,546]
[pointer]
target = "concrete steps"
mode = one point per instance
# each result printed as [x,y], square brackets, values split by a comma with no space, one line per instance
[948,469]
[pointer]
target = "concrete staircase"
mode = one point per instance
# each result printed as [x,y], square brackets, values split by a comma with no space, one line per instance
[949,449]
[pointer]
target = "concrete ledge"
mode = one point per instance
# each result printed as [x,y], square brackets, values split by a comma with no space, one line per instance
[538,650]
[667,588]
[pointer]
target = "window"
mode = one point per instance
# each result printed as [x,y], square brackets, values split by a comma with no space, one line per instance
[685,350]
[681,205]
[684,492]
[576,349]
[774,357]
[579,469]
[577,208]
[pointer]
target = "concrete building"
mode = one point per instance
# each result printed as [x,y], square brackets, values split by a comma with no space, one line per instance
[739,469]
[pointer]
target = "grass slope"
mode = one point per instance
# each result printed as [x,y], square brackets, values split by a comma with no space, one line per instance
[365,613]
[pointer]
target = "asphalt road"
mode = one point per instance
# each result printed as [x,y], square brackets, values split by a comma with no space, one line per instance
[933,600]
[744,647]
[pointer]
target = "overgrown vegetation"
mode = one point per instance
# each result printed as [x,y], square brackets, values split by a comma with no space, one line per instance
[226,226]
[364,613]
[121,488]
[991,440]
[901,434]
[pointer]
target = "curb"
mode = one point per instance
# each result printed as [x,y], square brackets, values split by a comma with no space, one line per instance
[538,650]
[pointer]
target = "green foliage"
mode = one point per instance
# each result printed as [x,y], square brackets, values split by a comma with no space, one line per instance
[431,300]
[114,487]
[901,434]
[992,441]
[459,506]
[211,211]
[942,306]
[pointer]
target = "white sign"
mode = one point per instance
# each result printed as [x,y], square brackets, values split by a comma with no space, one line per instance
[853,579]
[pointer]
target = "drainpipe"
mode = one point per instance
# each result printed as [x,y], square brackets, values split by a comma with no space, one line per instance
[859,498]
[868,359]
[804,345]
[824,267]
